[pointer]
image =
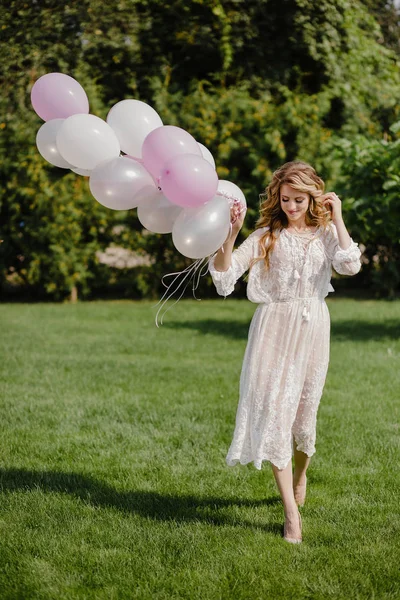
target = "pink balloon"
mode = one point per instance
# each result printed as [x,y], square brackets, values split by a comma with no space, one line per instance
[58,96]
[165,143]
[188,180]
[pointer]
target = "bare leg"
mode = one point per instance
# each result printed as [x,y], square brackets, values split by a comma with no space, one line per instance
[284,480]
[301,462]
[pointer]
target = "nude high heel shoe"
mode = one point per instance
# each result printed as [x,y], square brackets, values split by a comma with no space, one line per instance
[292,540]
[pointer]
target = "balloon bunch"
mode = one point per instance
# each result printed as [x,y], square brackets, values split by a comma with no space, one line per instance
[134,161]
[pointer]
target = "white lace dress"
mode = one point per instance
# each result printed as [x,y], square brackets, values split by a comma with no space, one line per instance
[287,353]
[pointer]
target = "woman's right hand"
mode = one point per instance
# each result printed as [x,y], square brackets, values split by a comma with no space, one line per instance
[237,219]
[224,254]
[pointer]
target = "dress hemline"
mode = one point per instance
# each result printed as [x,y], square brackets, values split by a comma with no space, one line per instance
[258,463]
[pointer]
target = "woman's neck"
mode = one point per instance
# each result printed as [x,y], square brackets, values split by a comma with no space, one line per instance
[302,225]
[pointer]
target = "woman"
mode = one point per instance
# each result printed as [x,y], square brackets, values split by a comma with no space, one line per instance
[299,236]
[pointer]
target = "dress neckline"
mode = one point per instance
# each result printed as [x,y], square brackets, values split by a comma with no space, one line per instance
[302,235]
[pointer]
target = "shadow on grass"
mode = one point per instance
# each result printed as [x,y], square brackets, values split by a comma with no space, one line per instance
[365,330]
[340,330]
[162,507]
[230,329]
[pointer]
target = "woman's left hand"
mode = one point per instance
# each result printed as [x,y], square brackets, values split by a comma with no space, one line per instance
[334,204]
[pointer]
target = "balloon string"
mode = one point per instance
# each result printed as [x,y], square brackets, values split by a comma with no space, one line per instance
[177,273]
[164,299]
[228,196]
[197,268]
[169,294]
[200,274]
[189,272]
[165,302]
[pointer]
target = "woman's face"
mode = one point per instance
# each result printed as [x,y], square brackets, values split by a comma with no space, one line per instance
[294,203]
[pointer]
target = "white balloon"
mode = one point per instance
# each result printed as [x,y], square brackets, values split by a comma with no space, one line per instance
[200,231]
[158,214]
[231,192]
[46,143]
[132,121]
[207,154]
[84,172]
[120,183]
[86,140]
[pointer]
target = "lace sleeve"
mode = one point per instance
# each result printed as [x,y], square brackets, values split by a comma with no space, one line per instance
[345,262]
[224,281]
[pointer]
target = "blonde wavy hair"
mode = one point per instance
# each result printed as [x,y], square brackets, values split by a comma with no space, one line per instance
[302,177]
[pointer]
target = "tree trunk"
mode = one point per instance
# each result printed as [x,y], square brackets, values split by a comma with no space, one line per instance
[74,295]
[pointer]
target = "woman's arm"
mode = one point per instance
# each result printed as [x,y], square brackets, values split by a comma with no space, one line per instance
[333,202]
[341,249]
[223,258]
[343,235]
[227,266]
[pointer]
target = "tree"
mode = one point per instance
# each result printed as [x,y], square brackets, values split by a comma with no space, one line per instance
[51,225]
[371,185]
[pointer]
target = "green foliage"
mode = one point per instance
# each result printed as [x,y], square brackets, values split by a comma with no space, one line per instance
[257,84]
[386,12]
[371,184]
[54,228]
[50,223]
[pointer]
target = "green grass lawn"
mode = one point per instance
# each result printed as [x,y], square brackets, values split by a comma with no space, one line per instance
[113,441]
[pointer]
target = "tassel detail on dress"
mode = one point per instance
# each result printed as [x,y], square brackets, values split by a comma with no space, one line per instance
[296,274]
[306,314]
